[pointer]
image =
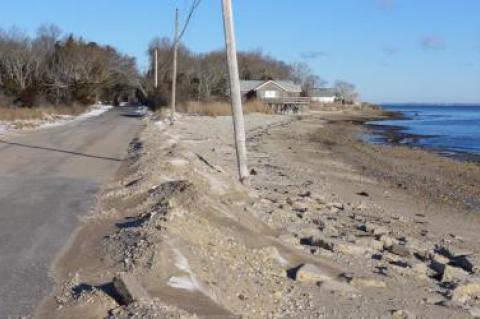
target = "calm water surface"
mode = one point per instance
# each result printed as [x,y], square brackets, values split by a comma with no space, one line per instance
[449,129]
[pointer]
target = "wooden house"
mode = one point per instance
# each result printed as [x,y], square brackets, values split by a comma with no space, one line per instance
[283,96]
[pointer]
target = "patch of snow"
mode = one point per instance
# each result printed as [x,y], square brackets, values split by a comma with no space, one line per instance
[3,128]
[57,120]
[178,162]
[181,262]
[95,110]
[190,283]
[182,283]
[282,261]
[161,124]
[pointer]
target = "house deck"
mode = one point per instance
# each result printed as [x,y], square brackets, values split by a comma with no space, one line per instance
[288,104]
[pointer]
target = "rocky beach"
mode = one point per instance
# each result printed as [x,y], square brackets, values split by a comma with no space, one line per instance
[330,227]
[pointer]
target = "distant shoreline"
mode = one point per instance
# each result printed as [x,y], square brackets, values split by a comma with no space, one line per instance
[432,104]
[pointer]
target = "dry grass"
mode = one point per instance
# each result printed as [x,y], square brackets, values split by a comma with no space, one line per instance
[316,106]
[11,114]
[223,108]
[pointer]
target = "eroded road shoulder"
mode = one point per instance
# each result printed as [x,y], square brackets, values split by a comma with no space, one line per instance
[49,178]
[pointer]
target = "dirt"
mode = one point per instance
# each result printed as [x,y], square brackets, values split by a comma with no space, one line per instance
[330,227]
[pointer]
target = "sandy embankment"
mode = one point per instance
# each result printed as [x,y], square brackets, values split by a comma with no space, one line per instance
[384,231]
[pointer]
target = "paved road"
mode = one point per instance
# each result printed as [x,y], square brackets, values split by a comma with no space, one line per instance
[48,179]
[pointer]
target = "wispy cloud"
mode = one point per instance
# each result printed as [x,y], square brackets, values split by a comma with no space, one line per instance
[386,4]
[433,42]
[310,55]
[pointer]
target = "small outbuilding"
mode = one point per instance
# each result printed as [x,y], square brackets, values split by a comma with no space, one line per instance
[323,95]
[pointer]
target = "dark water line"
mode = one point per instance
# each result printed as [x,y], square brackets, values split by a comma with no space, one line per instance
[449,131]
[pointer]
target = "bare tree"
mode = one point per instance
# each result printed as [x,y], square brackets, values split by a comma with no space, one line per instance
[346,92]
[303,75]
[60,71]
[18,61]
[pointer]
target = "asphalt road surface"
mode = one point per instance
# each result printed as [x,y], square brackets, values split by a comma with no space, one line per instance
[48,179]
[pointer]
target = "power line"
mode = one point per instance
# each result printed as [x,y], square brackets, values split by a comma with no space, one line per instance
[193,8]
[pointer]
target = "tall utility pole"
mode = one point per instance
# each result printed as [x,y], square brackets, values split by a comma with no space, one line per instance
[237,111]
[174,71]
[156,68]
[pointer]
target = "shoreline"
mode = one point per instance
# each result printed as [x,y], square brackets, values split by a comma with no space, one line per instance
[408,161]
[396,135]
[318,195]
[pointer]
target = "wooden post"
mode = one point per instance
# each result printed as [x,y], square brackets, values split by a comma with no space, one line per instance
[174,71]
[236,98]
[156,68]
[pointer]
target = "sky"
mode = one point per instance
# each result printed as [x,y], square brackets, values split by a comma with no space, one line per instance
[393,50]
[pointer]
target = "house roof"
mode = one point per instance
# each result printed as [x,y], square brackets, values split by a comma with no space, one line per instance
[247,85]
[289,86]
[322,92]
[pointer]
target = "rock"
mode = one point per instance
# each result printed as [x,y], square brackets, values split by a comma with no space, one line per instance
[363,193]
[309,273]
[453,274]
[420,248]
[376,230]
[421,270]
[399,250]
[435,300]
[335,205]
[350,249]
[452,252]
[475,312]
[362,206]
[391,258]
[467,291]
[299,208]
[401,264]
[368,282]
[468,263]
[370,243]
[423,256]
[129,289]
[387,241]
[402,314]
[438,263]
[305,194]
[318,240]
[331,230]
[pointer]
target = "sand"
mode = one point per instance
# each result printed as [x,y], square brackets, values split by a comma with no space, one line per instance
[329,227]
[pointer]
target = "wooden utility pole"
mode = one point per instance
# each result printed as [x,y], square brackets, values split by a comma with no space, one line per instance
[156,68]
[236,98]
[174,71]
